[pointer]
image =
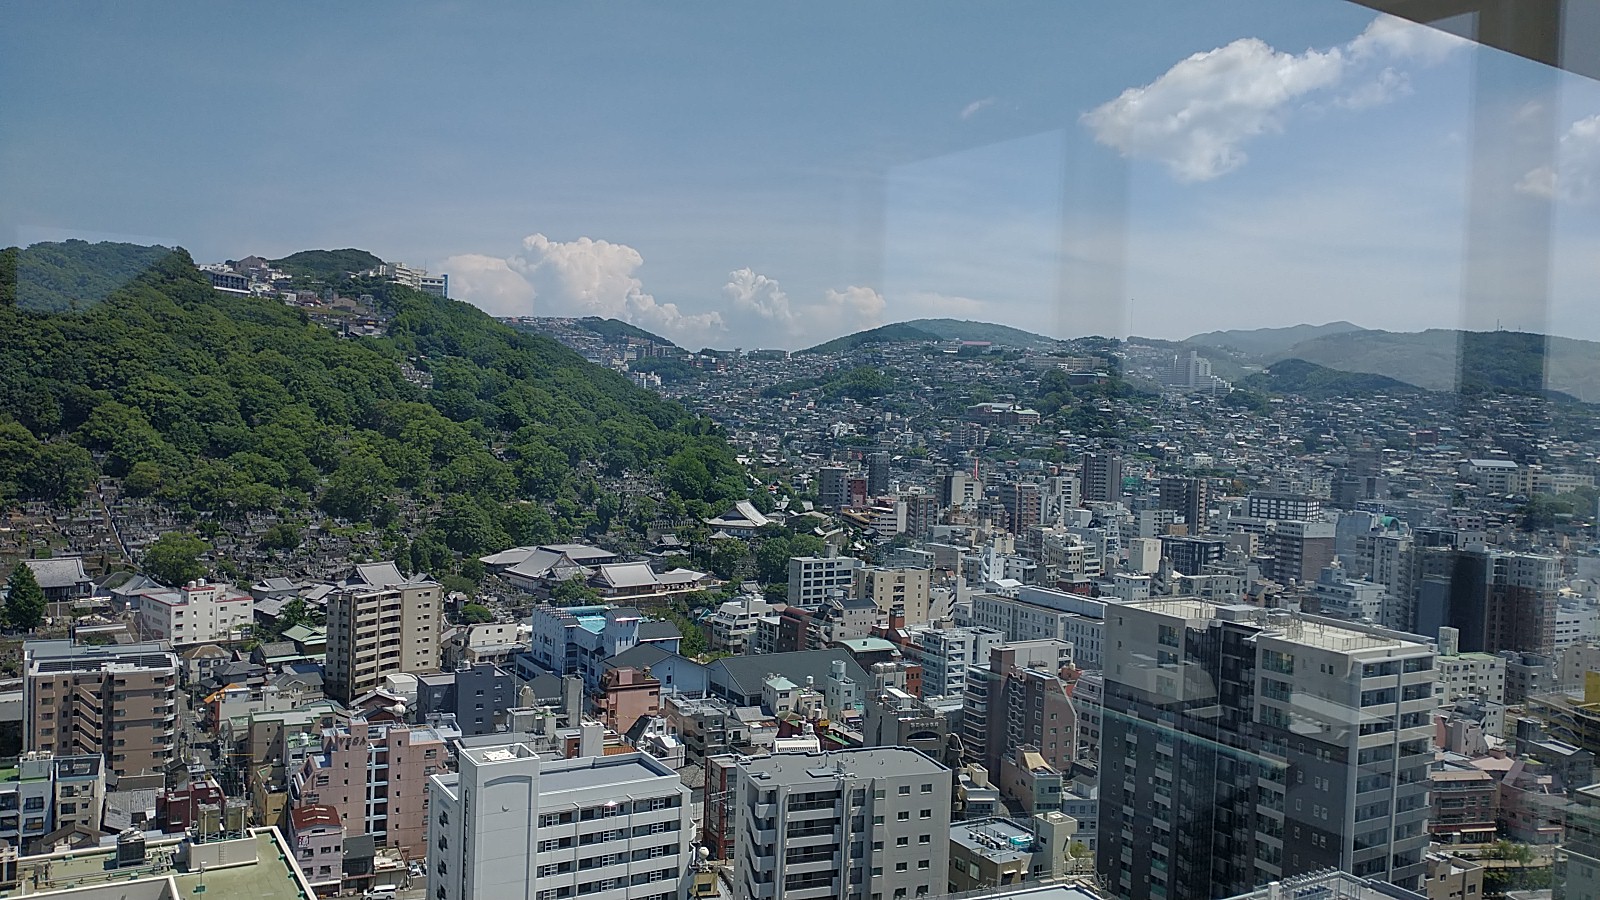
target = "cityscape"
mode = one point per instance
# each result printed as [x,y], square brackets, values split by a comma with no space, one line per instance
[1045,451]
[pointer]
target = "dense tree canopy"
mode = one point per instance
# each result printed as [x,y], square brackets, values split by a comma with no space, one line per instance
[223,405]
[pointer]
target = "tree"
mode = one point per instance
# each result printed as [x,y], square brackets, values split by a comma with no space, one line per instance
[174,558]
[24,610]
[573,592]
[476,614]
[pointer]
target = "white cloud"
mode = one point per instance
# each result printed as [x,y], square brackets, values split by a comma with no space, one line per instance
[934,305]
[582,277]
[755,293]
[489,283]
[1575,177]
[1196,118]
[975,107]
[1402,39]
[854,309]
[1387,86]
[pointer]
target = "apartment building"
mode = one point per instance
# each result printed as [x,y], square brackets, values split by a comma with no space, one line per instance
[849,824]
[1017,700]
[197,613]
[380,623]
[897,592]
[373,774]
[116,702]
[812,579]
[946,654]
[515,825]
[1310,739]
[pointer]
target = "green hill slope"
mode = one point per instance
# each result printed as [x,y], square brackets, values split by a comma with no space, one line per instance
[1264,341]
[898,332]
[1004,335]
[221,405]
[1468,361]
[330,266]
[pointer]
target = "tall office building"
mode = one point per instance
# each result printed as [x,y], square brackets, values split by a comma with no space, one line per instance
[1250,746]
[1496,600]
[1024,504]
[1102,478]
[380,623]
[1189,497]
[117,702]
[878,473]
[847,825]
[514,826]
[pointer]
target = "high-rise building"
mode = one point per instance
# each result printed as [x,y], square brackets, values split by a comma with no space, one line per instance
[878,473]
[833,487]
[960,489]
[373,773]
[380,623]
[1191,555]
[1024,503]
[1016,699]
[846,825]
[1189,497]
[1250,746]
[513,825]
[117,702]
[1495,599]
[1300,549]
[1102,478]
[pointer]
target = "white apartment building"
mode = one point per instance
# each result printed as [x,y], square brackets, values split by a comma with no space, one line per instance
[197,613]
[813,578]
[733,625]
[1043,614]
[512,825]
[1468,675]
[946,653]
[1577,621]
[864,824]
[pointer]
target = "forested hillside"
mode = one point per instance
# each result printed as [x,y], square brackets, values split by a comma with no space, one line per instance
[223,406]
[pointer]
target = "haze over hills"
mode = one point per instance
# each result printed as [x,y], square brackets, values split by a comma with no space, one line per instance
[1262,341]
[928,330]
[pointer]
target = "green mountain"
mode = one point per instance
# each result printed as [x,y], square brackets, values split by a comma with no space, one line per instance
[1296,376]
[900,332]
[1004,335]
[331,266]
[1267,341]
[73,275]
[1467,361]
[221,406]
[612,328]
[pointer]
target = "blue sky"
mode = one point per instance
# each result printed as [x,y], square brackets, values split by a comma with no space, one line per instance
[761,175]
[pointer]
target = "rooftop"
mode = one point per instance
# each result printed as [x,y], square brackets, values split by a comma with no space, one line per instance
[824,767]
[1000,840]
[257,867]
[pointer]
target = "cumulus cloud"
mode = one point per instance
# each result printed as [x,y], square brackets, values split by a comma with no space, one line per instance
[1575,177]
[1196,118]
[975,107]
[856,308]
[752,292]
[490,284]
[1395,38]
[582,277]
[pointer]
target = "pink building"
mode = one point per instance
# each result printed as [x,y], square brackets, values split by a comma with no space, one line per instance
[374,775]
[628,695]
